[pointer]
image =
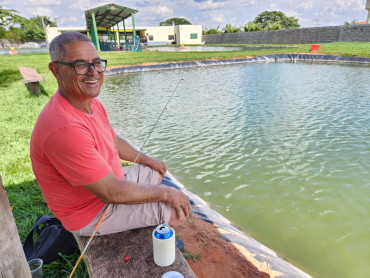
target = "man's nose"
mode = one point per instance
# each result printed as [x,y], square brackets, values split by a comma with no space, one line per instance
[92,70]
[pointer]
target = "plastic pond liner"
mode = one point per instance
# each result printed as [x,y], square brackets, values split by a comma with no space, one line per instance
[266,58]
[251,249]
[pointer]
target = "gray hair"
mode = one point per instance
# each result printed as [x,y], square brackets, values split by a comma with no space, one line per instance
[57,45]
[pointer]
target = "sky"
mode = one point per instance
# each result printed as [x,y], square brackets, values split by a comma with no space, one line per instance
[208,13]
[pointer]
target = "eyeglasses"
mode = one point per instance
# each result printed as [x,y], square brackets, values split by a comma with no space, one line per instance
[82,68]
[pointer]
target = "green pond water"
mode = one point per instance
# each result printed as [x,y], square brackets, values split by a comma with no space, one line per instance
[280,149]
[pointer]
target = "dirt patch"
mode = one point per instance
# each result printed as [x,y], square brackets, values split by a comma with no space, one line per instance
[209,255]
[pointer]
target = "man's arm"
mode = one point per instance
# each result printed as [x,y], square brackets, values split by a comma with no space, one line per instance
[127,151]
[113,190]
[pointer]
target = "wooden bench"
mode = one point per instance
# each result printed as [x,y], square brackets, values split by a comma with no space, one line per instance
[31,79]
[105,256]
[13,262]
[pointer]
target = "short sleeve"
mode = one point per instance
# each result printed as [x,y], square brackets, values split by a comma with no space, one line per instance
[101,108]
[73,153]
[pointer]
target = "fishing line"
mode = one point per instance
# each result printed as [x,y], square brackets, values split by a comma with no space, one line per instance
[133,163]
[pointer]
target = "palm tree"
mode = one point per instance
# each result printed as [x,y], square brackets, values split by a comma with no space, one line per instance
[230,29]
[273,26]
[212,31]
[251,27]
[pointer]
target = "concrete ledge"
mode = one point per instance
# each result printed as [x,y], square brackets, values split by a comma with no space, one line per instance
[105,256]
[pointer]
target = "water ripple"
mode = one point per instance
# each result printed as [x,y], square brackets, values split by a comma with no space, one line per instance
[282,149]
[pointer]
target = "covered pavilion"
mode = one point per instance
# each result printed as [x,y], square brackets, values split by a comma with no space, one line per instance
[107,17]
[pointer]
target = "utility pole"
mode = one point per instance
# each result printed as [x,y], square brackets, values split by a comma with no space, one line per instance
[43,24]
[56,20]
[317,22]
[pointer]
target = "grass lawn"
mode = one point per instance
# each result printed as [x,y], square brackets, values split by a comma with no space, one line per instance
[19,111]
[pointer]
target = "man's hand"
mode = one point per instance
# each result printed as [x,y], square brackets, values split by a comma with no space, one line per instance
[128,152]
[177,200]
[158,165]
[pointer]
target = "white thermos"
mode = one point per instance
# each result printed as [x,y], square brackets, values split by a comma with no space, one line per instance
[164,246]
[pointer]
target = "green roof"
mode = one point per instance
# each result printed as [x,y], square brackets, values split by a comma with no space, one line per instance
[108,15]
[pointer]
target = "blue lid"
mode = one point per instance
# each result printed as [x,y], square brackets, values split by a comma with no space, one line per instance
[172,274]
[163,231]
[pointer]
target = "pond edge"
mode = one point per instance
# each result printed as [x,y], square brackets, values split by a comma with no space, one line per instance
[265,58]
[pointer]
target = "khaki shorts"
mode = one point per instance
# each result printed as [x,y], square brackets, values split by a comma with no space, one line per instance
[121,217]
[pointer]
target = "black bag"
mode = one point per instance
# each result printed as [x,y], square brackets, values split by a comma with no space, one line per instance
[52,239]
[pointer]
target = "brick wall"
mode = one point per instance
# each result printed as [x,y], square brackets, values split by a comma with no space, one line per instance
[354,33]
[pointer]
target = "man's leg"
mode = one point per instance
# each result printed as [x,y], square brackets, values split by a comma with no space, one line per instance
[176,221]
[122,217]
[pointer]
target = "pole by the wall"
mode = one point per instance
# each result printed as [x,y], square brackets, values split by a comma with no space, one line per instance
[367,7]
[133,24]
[118,37]
[94,32]
[13,263]
[124,33]
[114,34]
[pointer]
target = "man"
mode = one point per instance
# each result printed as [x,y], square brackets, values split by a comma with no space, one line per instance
[76,155]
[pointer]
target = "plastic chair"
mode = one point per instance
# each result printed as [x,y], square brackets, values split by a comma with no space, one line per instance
[315,48]
[136,44]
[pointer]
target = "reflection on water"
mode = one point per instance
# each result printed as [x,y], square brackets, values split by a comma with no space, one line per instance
[25,51]
[280,149]
[188,48]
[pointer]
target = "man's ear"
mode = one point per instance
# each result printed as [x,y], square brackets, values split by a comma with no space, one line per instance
[53,67]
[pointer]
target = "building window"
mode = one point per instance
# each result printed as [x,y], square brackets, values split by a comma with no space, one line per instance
[170,37]
[193,36]
[150,37]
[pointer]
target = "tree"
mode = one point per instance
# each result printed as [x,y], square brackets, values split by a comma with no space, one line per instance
[33,29]
[284,21]
[273,26]
[353,22]
[12,34]
[230,29]
[9,18]
[177,20]
[30,29]
[43,21]
[251,27]
[212,31]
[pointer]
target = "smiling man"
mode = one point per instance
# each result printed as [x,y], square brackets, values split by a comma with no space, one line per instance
[76,155]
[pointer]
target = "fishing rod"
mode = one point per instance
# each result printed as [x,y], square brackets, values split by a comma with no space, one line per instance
[133,163]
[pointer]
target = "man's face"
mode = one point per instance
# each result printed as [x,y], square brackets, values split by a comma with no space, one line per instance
[80,86]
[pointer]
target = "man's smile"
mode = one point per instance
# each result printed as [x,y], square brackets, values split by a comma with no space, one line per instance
[90,81]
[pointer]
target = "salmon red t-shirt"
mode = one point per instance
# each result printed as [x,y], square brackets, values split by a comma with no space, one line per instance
[70,149]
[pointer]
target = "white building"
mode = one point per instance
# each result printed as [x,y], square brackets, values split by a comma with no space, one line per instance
[158,35]
[179,34]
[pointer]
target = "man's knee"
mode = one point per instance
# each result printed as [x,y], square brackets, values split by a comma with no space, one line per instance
[175,220]
[160,178]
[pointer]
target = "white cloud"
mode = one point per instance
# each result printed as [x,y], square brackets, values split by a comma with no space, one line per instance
[154,14]
[306,5]
[5,3]
[218,18]
[273,6]
[206,5]
[209,13]
[209,5]
[84,5]
[38,3]
[40,11]
[69,19]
